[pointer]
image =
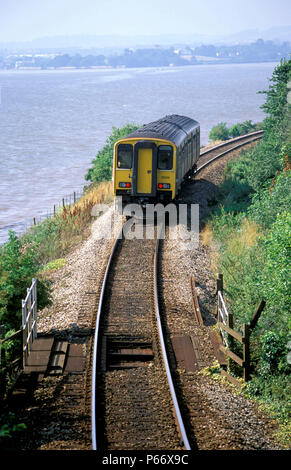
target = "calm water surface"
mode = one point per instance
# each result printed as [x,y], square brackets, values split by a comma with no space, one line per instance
[52,123]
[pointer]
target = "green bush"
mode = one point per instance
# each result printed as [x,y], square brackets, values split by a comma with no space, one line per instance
[102,164]
[271,201]
[222,132]
[18,265]
[251,223]
[9,427]
[242,128]
[276,391]
[277,266]
[219,132]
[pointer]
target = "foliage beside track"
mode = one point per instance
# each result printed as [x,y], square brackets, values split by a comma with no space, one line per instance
[102,163]
[222,132]
[250,227]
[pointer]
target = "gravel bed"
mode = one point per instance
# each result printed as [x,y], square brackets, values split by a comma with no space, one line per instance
[73,285]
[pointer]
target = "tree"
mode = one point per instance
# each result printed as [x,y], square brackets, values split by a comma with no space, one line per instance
[102,164]
[219,132]
[241,128]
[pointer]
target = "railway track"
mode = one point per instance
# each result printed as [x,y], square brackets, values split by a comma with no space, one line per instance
[218,151]
[66,401]
[134,403]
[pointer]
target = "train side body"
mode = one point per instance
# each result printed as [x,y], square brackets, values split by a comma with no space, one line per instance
[150,164]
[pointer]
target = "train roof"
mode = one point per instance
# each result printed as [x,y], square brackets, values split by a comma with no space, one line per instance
[172,127]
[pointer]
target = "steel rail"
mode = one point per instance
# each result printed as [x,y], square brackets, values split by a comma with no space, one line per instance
[96,337]
[225,152]
[179,419]
[230,141]
[178,416]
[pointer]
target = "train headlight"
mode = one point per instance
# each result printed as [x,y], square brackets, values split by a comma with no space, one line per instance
[125,185]
[164,185]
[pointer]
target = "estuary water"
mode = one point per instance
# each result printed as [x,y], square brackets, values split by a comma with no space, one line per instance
[53,123]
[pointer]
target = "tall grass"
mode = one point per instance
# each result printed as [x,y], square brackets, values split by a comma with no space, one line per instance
[54,237]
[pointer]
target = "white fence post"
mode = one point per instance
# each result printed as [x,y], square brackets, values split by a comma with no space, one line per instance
[29,319]
[222,315]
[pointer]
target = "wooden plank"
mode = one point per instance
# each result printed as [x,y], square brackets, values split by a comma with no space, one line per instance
[75,364]
[195,303]
[184,353]
[75,350]
[38,358]
[57,360]
[232,356]
[197,351]
[230,331]
[60,347]
[42,344]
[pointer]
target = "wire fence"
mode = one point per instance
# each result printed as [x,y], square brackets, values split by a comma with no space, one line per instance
[66,201]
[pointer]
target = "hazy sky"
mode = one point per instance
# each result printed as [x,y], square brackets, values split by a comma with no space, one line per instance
[29,19]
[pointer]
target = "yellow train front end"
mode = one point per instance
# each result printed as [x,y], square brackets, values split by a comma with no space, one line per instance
[144,170]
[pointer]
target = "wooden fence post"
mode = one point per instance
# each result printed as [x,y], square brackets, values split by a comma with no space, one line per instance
[246,352]
[219,283]
[219,287]
[230,325]
[257,314]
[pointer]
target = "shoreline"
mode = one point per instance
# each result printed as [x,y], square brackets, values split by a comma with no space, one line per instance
[144,67]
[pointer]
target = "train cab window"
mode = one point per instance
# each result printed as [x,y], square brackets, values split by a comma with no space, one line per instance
[124,156]
[165,157]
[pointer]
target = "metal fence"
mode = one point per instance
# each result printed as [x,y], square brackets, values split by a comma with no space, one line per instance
[222,316]
[29,319]
[67,200]
[11,366]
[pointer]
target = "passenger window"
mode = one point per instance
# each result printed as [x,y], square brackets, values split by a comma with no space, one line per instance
[165,157]
[124,156]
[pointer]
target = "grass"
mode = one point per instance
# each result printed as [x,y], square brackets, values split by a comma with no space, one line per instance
[54,237]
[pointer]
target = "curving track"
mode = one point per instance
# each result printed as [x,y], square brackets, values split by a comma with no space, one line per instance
[134,404]
[218,151]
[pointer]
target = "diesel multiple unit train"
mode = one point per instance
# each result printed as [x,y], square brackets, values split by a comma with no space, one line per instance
[151,163]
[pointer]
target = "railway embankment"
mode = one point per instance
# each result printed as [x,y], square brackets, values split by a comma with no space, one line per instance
[248,232]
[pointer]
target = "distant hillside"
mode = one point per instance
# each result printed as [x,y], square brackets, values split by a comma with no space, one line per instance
[159,56]
[63,43]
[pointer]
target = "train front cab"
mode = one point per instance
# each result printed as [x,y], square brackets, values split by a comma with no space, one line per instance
[144,171]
